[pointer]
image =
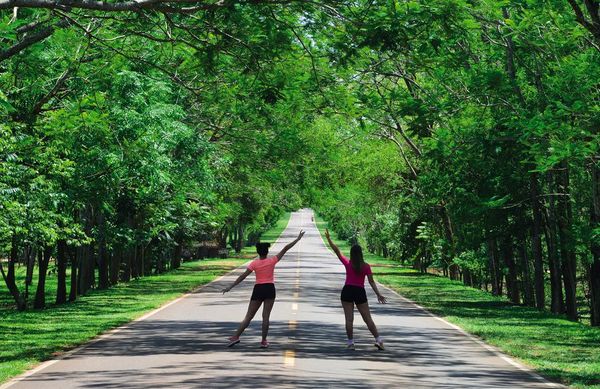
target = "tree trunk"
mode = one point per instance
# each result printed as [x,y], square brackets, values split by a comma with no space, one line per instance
[85,255]
[61,271]
[31,254]
[82,272]
[494,266]
[115,263]
[449,236]
[536,242]
[567,246]
[176,255]
[139,256]
[103,280]
[144,259]
[40,293]
[557,303]
[135,269]
[222,237]
[9,276]
[125,275]
[467,277]
[233,237]
[239,244]
[528,294]
[594,270]
[512,287]
[73,293]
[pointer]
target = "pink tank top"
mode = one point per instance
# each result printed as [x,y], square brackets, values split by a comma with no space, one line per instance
[264,269]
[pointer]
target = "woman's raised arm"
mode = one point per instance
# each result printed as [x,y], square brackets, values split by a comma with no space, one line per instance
[289,245]
[335,249]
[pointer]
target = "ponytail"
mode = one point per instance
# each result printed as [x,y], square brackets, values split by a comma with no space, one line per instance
[356,258]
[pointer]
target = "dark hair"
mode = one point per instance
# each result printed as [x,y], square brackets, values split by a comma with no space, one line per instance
[356,258]
[262,249]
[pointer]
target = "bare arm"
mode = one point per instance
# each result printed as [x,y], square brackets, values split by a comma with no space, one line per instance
[289,246]
[380,297]
[335,249]
[239,279]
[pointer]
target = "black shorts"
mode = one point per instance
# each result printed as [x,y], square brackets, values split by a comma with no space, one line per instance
[263,292]
[354,294]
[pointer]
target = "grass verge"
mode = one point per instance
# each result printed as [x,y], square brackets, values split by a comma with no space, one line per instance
[557,348]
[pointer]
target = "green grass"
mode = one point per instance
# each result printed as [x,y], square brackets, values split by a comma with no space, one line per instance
[564,351]
[27,338]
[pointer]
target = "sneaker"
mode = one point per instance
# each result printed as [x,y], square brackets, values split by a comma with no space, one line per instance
[264,344]
[351,346]
[379,345]
[233,341]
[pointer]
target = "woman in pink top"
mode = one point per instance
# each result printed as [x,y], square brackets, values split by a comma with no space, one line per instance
[264,288]
[354,291]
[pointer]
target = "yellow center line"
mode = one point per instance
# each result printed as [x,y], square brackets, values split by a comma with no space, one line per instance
[289,358]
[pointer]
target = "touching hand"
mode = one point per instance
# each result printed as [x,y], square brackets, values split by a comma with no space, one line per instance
[381,299]
[226,289]
[301,234]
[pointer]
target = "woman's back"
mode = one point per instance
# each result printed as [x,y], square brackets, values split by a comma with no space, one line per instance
[264,270]
[352,276]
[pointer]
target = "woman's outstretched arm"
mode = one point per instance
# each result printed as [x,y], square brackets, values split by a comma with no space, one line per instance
[289,245]
[239,279]
[380,297]
[335,249]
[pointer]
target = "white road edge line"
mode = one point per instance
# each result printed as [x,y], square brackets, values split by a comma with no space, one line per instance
[109,333]
[480,342]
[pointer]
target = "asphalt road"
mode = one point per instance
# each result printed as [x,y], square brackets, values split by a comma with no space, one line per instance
[183,344]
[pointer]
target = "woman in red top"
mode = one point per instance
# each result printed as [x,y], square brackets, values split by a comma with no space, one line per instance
[354,291]
[264,288]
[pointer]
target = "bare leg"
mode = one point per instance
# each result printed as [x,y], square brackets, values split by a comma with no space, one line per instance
[252,309]
[349,314]
[366,315]
[266,314]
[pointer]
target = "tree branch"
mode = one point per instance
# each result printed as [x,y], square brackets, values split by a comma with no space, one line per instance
[164,70]
[593,8]
[166,6]
[31,39]
[137,5]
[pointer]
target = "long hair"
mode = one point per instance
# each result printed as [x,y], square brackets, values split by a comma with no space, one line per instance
[356,258]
